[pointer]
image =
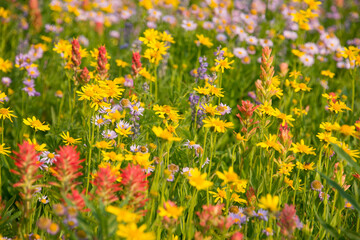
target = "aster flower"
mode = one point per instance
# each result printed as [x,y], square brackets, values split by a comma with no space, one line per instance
[262,214]
[188,25]
[316,185]
[43,199]
[109,134]
[323,195]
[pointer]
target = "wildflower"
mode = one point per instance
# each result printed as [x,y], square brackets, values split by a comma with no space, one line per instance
[223,63]
[210,109]
[316,185]
[135,185]
[262,214]
[27,164]
[220,194]
[170,210]
[164,134]
[69,140]
[43,223]
[43,200]
[123,214]
[270,142]
[289,221]
[348,205]
[323,195]
[53,228]
[286,168]
[5,65]
[269,202]
[327,73]
[131,231]
[67,168]
[344,129]
[302,148]
[217,124]
[285,118]
[188,25]
[223,109]
[268,231]
[103,145]
[105,185]
[306,166]
[338,106]
[36,124]
[228,177]
[198,180]
[121,63]
[6,113]
[136,63]
[201,39]
[173,168]
[326,137]
[4,150]
[112,156]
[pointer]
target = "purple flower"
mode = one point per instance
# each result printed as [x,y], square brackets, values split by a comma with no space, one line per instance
[22,60]
[262,215]
[6,81]
[33,71]
[322,196]
[223,109]
[31,91]
[109,134]
[194,99]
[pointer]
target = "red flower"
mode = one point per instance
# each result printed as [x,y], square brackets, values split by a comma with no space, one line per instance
[77,199]
[289,221]
[84,76]
[136,63]
[66,169]
[26,161]
[102,61]
[135,186]
[106,186]
[75,50]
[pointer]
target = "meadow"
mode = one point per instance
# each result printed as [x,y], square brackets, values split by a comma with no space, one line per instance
[169,119]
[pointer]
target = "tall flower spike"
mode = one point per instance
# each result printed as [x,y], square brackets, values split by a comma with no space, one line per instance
[75,53]
[136,63]
[135,186]
[289,221]
[101,62]
[263,86]
[105,185]
[26,161]
[66,168]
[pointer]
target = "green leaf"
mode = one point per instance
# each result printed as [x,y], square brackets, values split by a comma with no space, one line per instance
[346,156]
[342,192]
[327,226]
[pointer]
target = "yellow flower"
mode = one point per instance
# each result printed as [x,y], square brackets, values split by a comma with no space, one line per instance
[270,142]
[338,106]
[285,118]
[198,180]
[36,124]
[301,87]
[347,130]
[5,65]
[269,202]
[286,168]
[217,124]
[121,63]
[327,73]
[223,63]
[220,194]
[4,150]
[131,231]
[305,166]
[123,215]
[203,40]
[6,113]
[112,156]
[210,109]
[326,137]
[228,177]
[170,210]
[302,148]
[103,145]
[69,140]
[164,134]
[267,108]
[39,148]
